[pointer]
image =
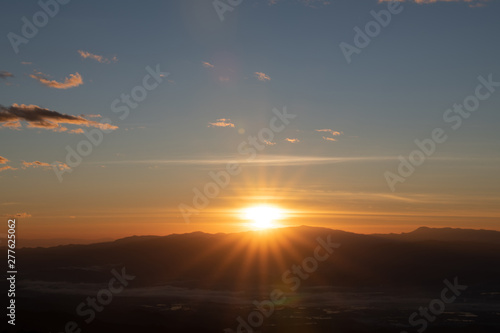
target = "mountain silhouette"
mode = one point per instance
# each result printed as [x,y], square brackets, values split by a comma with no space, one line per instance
[208,282]
[243,260]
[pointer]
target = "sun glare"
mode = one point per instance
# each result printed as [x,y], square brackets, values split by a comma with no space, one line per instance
[263,217]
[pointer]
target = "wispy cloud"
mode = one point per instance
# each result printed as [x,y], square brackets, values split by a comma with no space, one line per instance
[332,132]
[291,140]
[38,117]
[4,160]
[262,76]
[35,164]
[47,166]
[76,131]
[206,64]
[19,215]
[96,57]
[91,116]
[74,80]
[269,160]
[7,167]
[221,123]
[26,63]
[4,75]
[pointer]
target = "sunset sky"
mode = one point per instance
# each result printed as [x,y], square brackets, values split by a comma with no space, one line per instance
[217,83]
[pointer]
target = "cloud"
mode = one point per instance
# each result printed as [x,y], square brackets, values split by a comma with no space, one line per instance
[37,164]
[60,165]
[98,58]
[269,160]
[74,80]
[26,63]
[334,133]
[221,123]
[262,76]
[4,160]
[292,140]
[38,117]
[269,143]
[19,215]
[207,64]
[76,131]
[11,124]
[471,3]
[7,167]
[4,75]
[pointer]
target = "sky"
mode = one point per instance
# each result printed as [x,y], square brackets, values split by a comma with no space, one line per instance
[116,115]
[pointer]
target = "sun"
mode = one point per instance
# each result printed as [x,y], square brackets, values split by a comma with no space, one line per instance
[262,217]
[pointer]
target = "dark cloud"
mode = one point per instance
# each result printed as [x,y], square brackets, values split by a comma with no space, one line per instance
[38,117]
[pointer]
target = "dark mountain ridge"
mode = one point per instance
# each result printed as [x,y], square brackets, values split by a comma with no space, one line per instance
[241,261]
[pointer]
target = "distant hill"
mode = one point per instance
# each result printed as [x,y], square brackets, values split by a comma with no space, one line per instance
[203,282]
[244,260]
[447,235]
[23,242]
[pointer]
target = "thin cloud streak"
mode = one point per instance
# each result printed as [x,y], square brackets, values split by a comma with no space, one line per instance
[327,130]
[46,166]
[223,122]
[268,160]
[206,64]
[278,160]
[99,58]
[7,167]
[292,140]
